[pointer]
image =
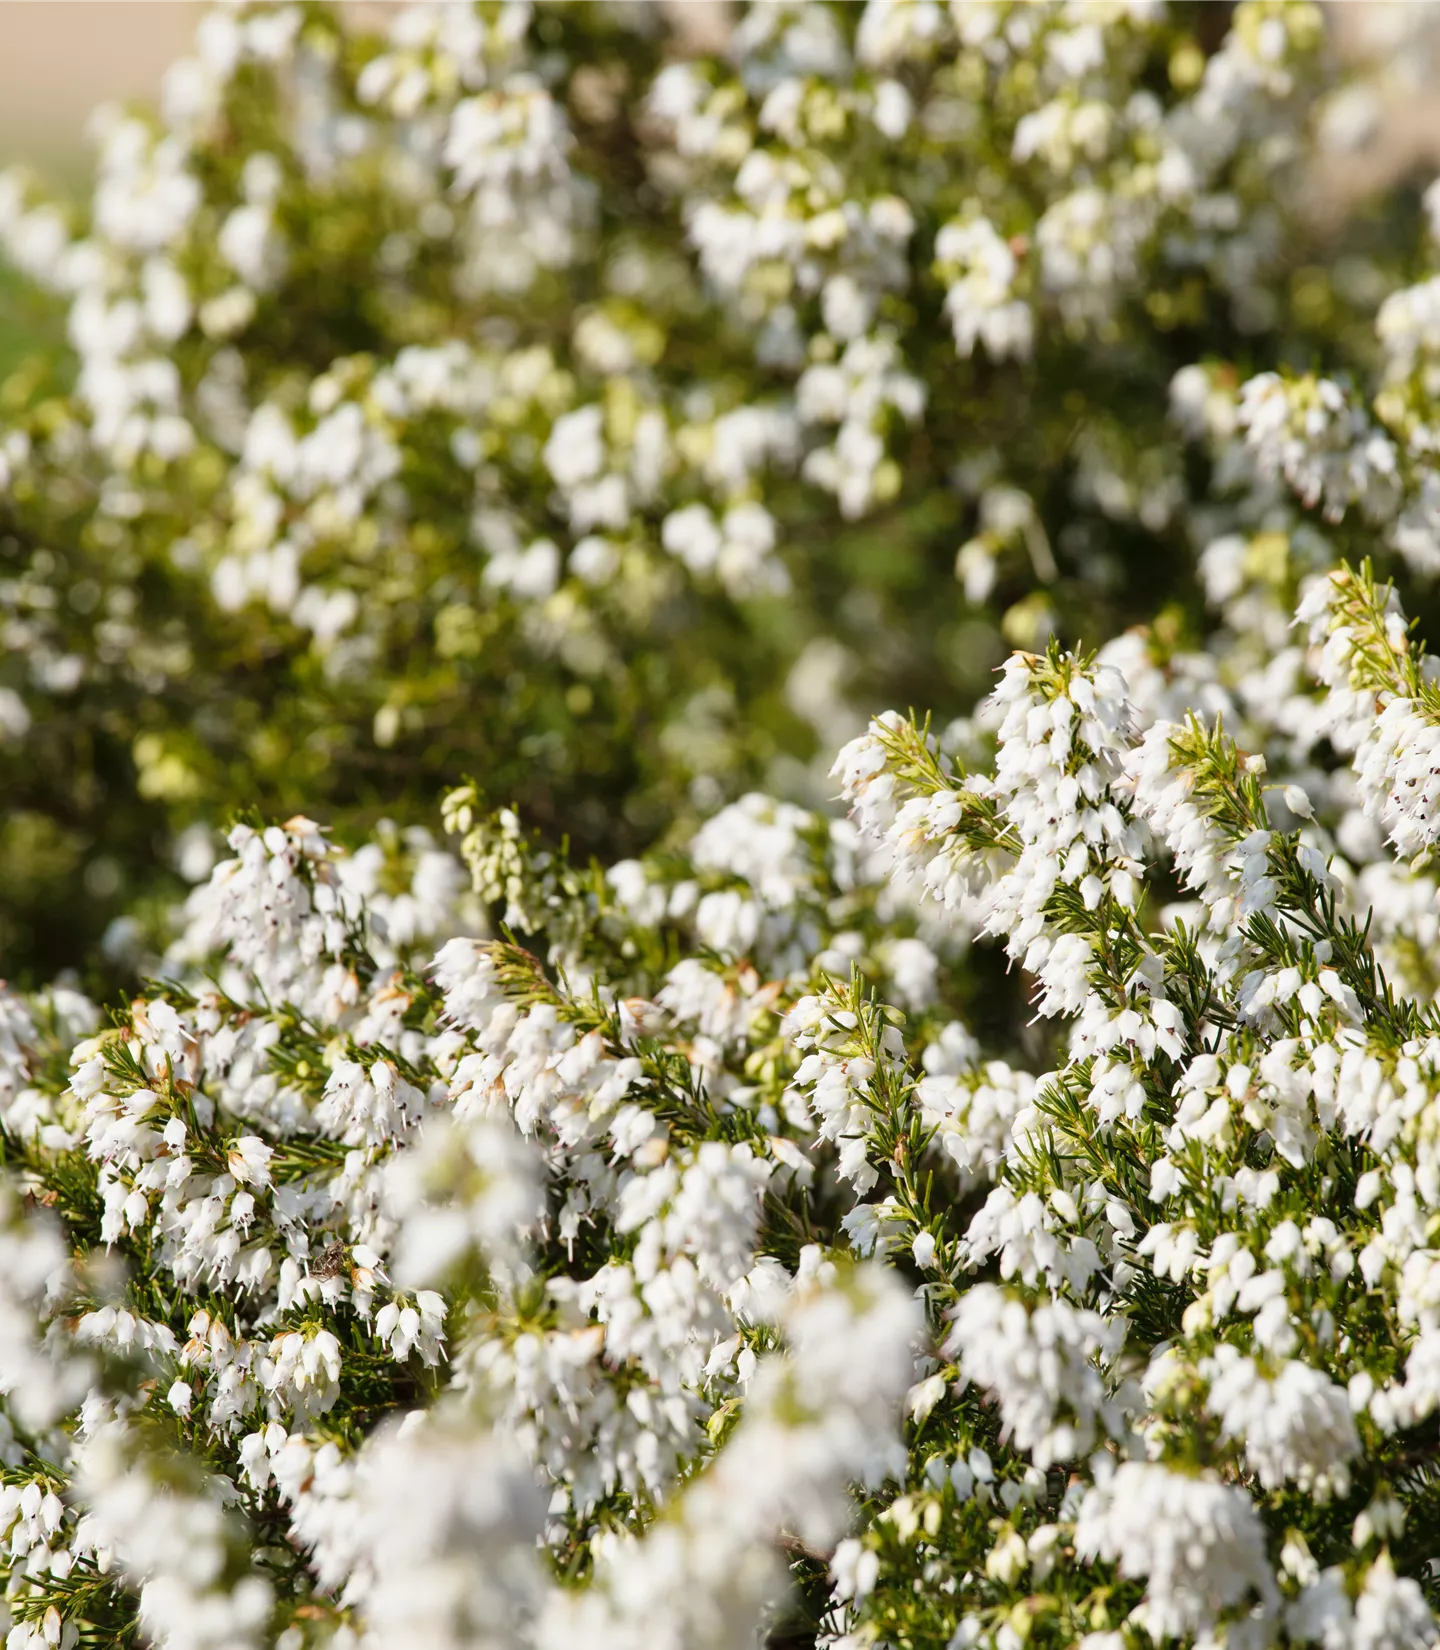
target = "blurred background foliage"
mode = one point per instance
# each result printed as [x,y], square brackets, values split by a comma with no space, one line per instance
[144,711]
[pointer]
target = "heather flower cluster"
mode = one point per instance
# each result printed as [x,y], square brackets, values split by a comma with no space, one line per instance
[535,1111]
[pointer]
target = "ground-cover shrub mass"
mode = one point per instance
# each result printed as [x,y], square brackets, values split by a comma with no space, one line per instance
[535,1111]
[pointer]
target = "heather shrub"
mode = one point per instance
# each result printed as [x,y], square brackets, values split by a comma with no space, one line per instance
[535,1110]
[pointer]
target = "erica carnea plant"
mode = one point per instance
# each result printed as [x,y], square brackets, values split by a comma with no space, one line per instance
[648,1217]
[583,1128]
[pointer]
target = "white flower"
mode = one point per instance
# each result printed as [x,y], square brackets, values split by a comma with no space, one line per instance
[1038,1365]
[1295,1427]
[1197,1544]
